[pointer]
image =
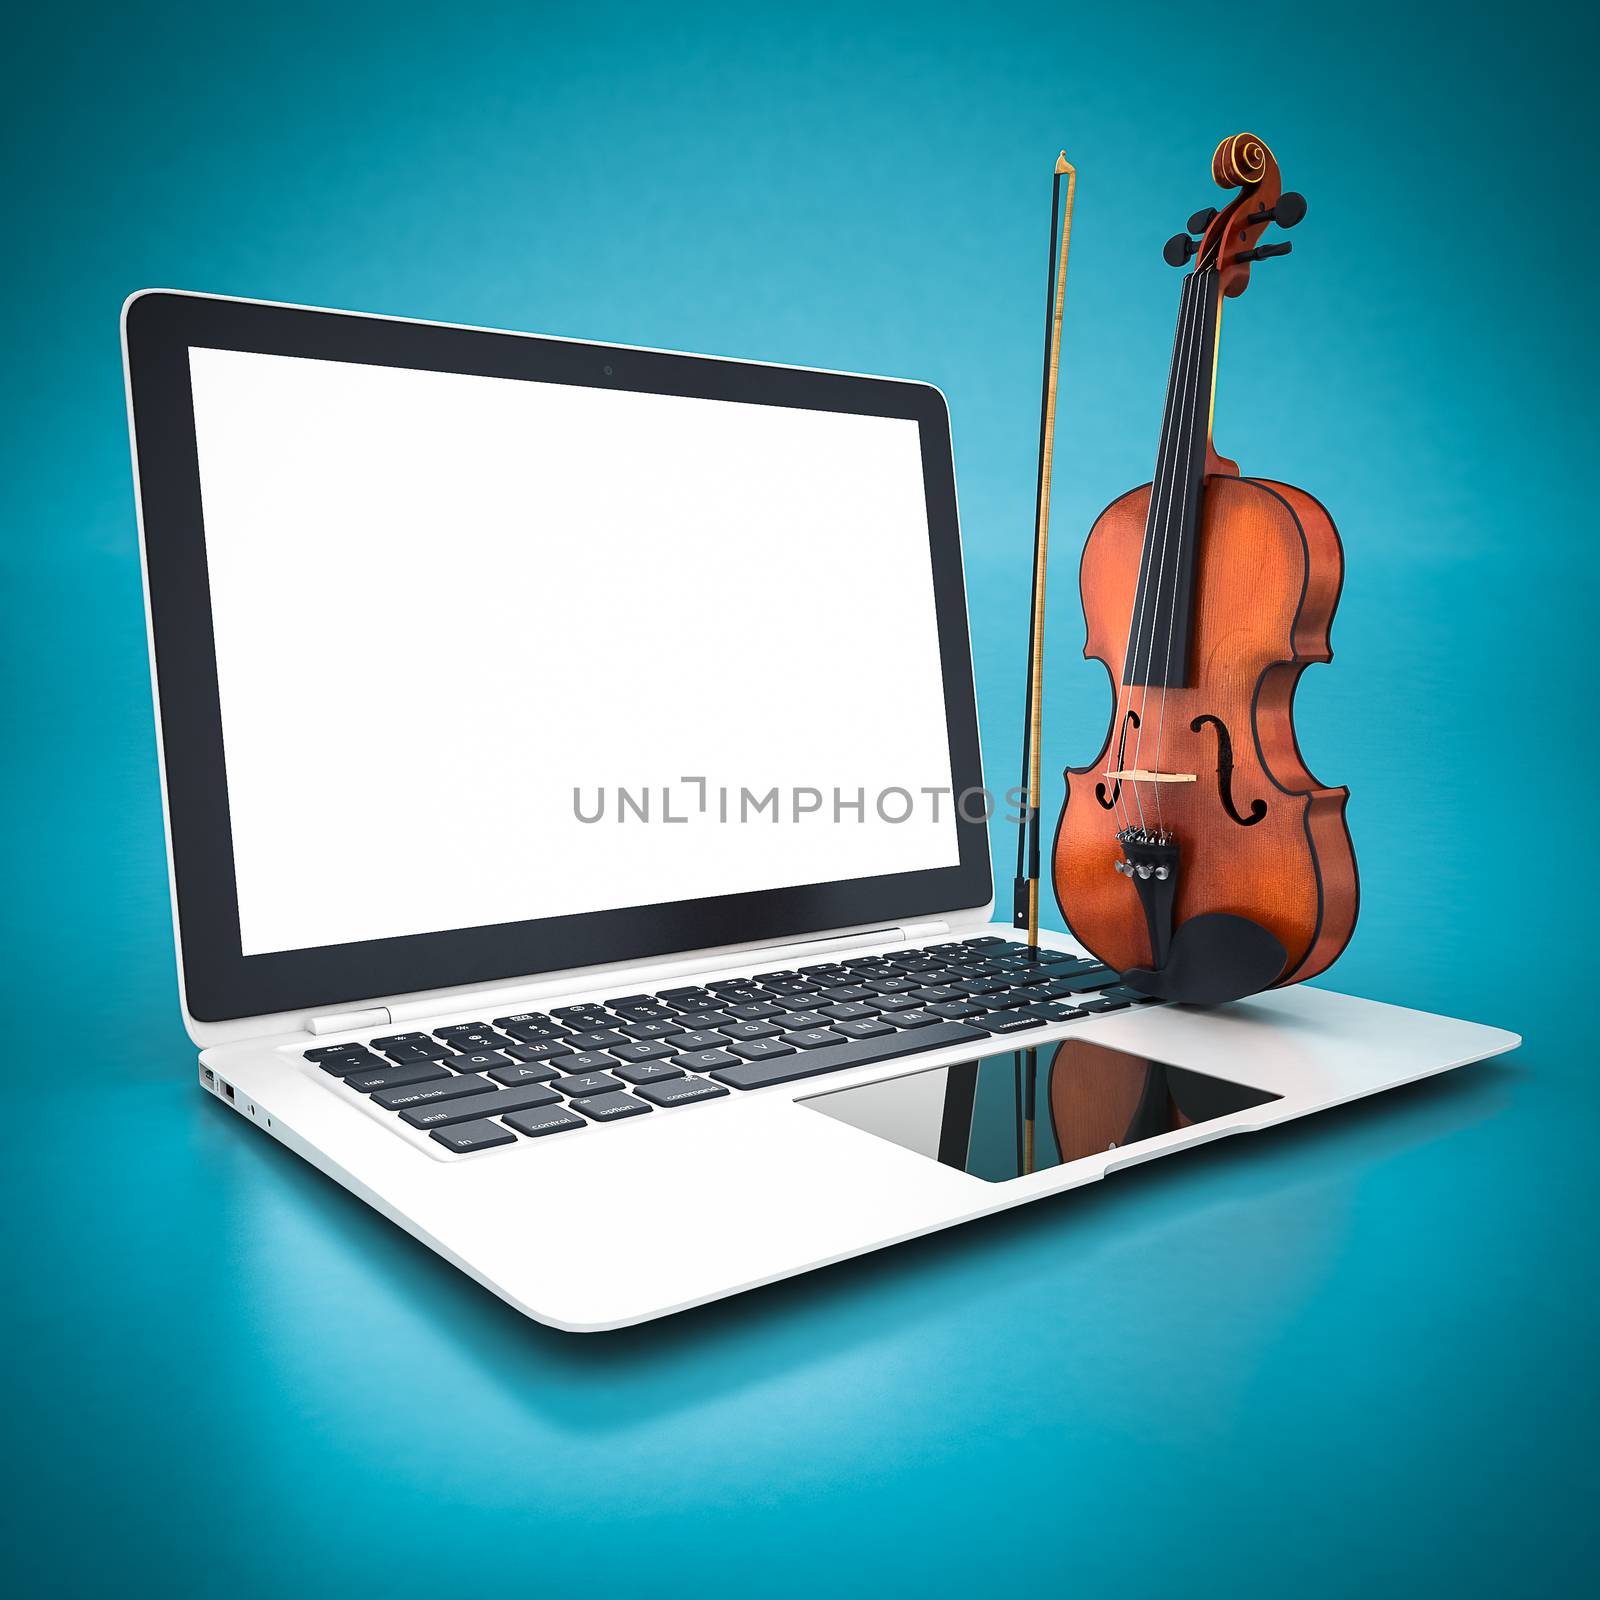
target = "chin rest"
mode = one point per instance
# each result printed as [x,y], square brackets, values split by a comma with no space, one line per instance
[1212,958]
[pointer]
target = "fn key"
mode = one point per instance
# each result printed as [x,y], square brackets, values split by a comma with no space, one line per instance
[466,1137]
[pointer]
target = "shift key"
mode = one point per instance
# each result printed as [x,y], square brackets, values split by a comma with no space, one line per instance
[444,1112]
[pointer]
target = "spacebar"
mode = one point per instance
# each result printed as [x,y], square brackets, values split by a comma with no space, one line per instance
[836,1057]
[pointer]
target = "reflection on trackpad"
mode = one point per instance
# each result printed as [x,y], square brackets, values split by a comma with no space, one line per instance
[1027,1110]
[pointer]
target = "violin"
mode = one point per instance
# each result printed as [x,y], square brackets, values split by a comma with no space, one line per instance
[1196,853]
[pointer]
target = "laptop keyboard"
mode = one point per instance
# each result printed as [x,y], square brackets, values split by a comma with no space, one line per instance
[477,1085]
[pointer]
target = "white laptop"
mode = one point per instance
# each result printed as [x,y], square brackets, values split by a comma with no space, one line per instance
[576,823]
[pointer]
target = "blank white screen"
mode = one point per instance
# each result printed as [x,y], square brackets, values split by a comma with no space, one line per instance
[443,603]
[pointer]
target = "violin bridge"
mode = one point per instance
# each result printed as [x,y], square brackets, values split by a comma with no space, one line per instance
[1141,775]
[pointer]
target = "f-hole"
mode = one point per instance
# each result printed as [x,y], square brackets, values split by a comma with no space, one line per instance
[1108,801]
[1258,808]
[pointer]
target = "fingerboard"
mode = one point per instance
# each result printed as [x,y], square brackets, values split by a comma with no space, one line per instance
[1158,637]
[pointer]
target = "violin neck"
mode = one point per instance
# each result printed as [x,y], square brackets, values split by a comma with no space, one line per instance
[1158,650]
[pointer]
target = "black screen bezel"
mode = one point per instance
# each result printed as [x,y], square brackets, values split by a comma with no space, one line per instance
[220,982]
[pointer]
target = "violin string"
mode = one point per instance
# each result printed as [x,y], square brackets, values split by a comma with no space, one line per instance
[1204,300]
[1162,492]
[1114,750]
[1171,488]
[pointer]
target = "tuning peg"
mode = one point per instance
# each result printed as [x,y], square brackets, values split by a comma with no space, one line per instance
[1177,250]
[1263,251]
[1202,220]
[1290,209]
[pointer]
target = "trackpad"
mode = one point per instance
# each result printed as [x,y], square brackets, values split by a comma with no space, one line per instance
[1028,1110]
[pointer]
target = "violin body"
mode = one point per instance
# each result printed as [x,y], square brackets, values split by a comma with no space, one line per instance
[1196,853]
[1263,839]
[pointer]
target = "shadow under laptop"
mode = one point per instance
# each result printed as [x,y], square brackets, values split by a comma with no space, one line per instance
[983,1269]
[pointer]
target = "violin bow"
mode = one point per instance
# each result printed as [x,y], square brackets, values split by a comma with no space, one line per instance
[1025,910]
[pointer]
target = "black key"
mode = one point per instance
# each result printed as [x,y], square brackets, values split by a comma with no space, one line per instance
[584,1061]
[680,994]
[533,1072]
[640,1050]
[1030,977]
[935,994]
[1053,990]
[478,1061]
[589,1008]
[582,1083]
[916,1019]
[533,1032]
[1010,1021]
[894,1002]
[780,976]
[455,1030]
[704,1040]
[1133,996]
[812,1038]
[648,1030]
[955,1010]
[494,1104]
[600,1039]
[552,1119]
[1092,978]
[400,1038]
[1103,1004]
[343,1066]
[472,1136]
[761,1049]
[333,1052]
[640,1014]
[985,942]
[700,1021]
[610,1107]
[846,993]
[976,986]
[394,1077]
[754,1011]
[849,1013]
[852,1053]
[867,1028]
[1053,1011]
[823,969]
[523,1019]
[890,985]
[423,1094]
[781,992]
[648,1072]
[431,1050]
[736,986]
[802,1019]
[681,1092]
[631,1000]
[704,1060]
[536,1052]
[471,1043]
[748,1030]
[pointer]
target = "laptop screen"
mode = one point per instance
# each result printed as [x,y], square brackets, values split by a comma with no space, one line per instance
[595,648]
[482,655]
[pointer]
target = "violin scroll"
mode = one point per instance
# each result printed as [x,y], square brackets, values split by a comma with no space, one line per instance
[1231,239]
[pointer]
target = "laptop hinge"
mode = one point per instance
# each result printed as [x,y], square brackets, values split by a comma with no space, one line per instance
[349,1021]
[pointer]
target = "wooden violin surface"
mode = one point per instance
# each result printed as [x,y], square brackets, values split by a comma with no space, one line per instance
[1263,839]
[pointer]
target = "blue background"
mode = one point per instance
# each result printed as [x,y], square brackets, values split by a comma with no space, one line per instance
[1354,1356]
